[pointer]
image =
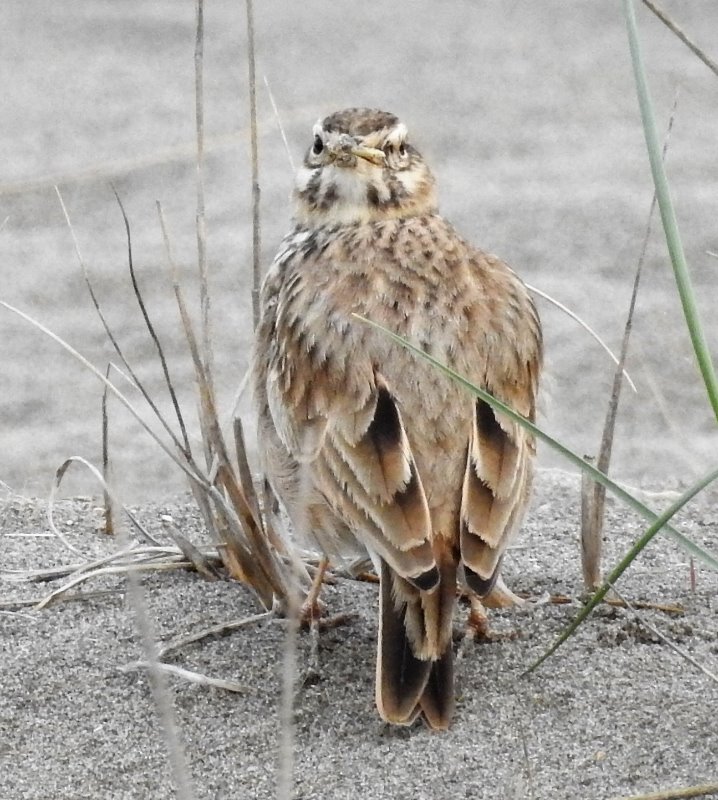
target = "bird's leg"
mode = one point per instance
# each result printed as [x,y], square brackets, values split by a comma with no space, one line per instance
[312,609]
[309,615]
[477,623]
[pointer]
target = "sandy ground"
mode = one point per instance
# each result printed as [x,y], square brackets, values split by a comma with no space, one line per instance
[613,713]
[526,110]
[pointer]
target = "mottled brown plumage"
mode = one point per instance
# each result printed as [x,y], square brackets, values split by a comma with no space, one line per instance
[366,444]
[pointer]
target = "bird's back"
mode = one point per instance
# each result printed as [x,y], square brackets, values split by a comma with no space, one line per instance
[422,281]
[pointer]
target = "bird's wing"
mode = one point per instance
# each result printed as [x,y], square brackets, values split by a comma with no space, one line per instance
[333,410]
[498,473]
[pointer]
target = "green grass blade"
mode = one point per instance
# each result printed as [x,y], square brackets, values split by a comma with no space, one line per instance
[668,217]
[625,562]
[692,548]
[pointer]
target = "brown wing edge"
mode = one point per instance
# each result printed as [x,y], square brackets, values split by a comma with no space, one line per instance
[495,494]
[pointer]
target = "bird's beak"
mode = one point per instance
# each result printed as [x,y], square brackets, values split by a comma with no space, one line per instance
[370,154]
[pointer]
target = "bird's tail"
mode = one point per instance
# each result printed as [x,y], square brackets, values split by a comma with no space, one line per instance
[415,659]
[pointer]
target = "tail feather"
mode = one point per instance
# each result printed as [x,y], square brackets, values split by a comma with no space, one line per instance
[400,676]
[437,701]
[415,658]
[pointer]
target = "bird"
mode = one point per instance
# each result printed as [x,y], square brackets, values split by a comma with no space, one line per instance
[369,448]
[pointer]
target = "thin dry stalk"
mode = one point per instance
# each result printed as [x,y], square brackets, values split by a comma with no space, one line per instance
[591,531]
[200,219]
[285,767]
[248,556]
[194,555]
[153,334]
[591,332]
[122,569]
[593,503]
[159,667]
[108,527]
[245,474]
[9,605]
[222,629]
[682,35]
[60,474]
[681,652]
[181,776]
[113,340]
[280,125]
[684,793]
[256,228]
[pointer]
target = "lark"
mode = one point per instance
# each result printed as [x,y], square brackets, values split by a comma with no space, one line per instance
[369,447]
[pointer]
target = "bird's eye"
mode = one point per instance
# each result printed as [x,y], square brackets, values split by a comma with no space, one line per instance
[391,148]
[318,145]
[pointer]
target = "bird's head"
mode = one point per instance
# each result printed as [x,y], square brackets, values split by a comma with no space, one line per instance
[360,167]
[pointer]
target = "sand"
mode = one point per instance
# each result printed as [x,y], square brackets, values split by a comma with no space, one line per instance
[614,712]
[526,112]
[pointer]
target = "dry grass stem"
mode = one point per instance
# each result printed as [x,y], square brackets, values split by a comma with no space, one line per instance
[285,766]
[195,556]
[684,793]
[200,219]
[153,334]
[133,553]
[239,392]
[134,380]
[682,35]
[181,777]
[591,532]
[108,527]
[187,675]
[681,652]
[223,629]
[30,602]
[256,226]
[584,325]
[60,474]
[282,132]
[123,569]
[665,608]
[227,508]
[593,501]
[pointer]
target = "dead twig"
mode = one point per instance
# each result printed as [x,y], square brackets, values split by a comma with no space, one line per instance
[122,569]
[700,790]
[593,501]
[200,219]
[287,149]
[256,229]
[222,629]
[682,35]
[108,510]
[30,602]
[572,314]
[681,652]
[187,675]
[59,475]
[185,449]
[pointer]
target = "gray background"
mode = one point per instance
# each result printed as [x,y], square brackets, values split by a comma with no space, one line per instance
[526,111]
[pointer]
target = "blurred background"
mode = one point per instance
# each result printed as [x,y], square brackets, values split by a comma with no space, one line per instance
[526,111]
